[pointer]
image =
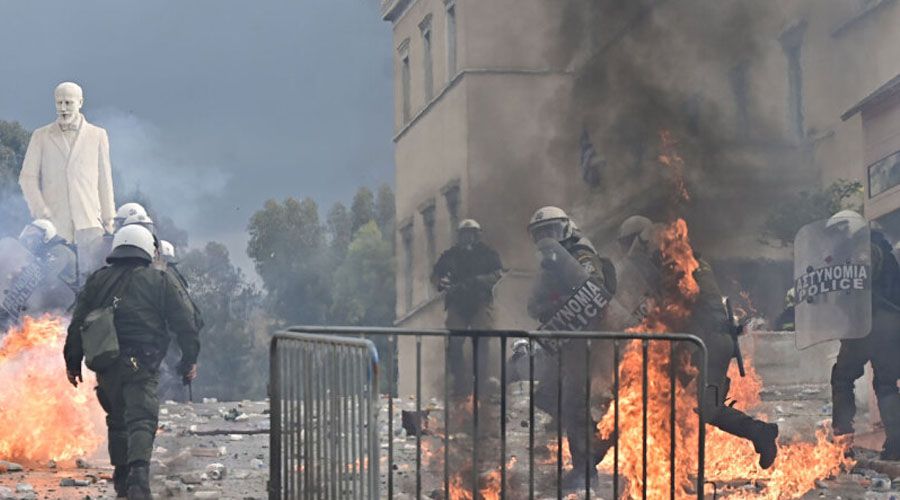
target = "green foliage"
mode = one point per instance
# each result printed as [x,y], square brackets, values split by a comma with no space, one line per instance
[363,208]
[340,231]
[364,282]
[787,218]
[384,212]
[287,245]
[13,211]
[234,342]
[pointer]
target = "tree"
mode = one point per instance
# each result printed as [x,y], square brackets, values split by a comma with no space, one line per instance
[13,144]
[340,230]
[385,212]
[363,208]
[364,282]
[787,218]
[234,341]
[287,247]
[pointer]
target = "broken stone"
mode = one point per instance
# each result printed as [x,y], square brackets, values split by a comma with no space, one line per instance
[6,493]
[10,467]
[895,484]
[235,437]
[207,494]
[24,488]
[257,464]
[69,482]
[51,464]
[82,463]
[216,471]
[192,478]
[210,400]
[880,484]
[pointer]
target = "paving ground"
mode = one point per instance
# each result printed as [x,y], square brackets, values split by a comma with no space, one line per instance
[194,438]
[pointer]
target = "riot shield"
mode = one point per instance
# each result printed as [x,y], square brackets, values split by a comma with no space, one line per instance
[564,297]
[832,281]
[638,279]
[20,275]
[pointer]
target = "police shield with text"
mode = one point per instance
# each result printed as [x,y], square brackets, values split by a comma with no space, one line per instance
[572,293]
[847,284]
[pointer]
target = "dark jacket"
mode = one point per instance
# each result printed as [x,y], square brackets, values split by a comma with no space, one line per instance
[472,273]
[154,304]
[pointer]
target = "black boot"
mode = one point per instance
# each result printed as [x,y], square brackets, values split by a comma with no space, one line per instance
[574,480]
[764,443]
[139,482]
[120,481]
[740,424]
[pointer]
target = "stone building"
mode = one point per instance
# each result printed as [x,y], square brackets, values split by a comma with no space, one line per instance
[506,105]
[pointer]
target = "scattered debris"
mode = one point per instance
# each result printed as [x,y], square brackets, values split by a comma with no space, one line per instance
[216,471]
[414,423]
[9,467]
[82,464]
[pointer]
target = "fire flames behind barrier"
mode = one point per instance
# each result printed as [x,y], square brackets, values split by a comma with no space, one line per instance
[324,405]
[616,342]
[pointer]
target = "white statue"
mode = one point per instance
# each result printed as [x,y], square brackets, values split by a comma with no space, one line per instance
[66,176]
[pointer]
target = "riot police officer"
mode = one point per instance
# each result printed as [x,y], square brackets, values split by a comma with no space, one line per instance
[147,304]
[553,223]
[467,273]
[881,346]
[708,321]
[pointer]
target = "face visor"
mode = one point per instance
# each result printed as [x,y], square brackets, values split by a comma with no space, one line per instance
[467,237]
[553,229]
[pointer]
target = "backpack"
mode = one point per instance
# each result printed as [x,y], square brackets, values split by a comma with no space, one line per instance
[99,339]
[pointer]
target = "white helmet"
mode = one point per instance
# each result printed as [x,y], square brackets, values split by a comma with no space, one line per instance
[129,209]
[469,224]
[848,219]
[166,251]
[551,222]
[133,241]
[44,227]
[140,220]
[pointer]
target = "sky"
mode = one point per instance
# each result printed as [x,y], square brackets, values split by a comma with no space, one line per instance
[213,107]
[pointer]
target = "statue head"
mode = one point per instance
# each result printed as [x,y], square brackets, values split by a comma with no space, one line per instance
[69,98]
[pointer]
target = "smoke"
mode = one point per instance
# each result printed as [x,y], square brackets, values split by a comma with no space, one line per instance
[692,68]
[141,162]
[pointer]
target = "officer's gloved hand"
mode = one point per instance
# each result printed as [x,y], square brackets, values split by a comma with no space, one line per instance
[74,377]
[444,283]
[190,373]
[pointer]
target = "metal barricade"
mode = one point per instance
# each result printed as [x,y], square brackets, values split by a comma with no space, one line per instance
[618,345]
[324,409]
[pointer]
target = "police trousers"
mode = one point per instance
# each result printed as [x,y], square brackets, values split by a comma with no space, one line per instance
[128,394]
[460,369]
[881,348]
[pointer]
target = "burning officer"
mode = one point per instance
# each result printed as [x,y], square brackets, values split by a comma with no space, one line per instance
[711,321]
[120,328]
[570,266]
[467,273]
[881,346]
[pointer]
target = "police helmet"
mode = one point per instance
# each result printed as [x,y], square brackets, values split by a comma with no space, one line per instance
[846,219]
[140,220]
[42,227]
[166,251]
[470,224]
[134,241]
[551,222]
[129,209]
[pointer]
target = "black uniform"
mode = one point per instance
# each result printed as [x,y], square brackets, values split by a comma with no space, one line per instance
[708,321]
[472,271]
[881,347]
[573,419]
[151,303]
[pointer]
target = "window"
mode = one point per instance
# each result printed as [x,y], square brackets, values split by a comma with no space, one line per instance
[884,174]
[405,79]
[430,247]
[792,43]
[427,66]
[451,40]
[406,233]
[451,196]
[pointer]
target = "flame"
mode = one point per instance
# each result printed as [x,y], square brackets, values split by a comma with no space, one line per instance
[42,417]
[553,450]
[671,159]
[729,458]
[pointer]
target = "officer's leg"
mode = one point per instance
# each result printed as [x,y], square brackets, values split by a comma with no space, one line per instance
[886,365]
[457,370]
[848,367]
[109,394]
[576,423]
[141,418]
[483,322]
[726,418]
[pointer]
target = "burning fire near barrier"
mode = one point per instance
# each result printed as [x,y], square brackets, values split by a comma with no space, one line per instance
[42,418]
